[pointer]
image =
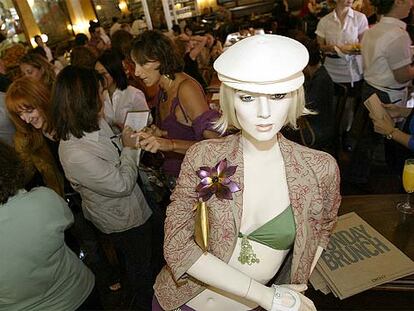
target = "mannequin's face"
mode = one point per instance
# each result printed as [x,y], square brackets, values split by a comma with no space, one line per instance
[261,115]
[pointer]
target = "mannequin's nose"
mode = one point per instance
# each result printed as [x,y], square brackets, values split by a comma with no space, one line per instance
[263,110]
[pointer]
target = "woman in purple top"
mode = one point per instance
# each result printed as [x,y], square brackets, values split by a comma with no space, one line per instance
[183,116]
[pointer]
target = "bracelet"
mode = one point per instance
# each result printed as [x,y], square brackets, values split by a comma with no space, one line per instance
[248,289]
[390,134]
[173,144]
[277,304]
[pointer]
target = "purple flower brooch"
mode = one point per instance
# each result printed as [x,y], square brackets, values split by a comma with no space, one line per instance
[214,180]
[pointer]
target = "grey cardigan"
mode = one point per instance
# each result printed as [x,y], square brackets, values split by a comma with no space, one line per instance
[105,179]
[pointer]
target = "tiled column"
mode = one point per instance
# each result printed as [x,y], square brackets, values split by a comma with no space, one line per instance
[30,27]
[80,12]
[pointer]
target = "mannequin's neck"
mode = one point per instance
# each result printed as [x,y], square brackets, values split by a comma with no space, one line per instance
[252,146]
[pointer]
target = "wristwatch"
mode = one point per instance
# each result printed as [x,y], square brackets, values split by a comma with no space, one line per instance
[389,135]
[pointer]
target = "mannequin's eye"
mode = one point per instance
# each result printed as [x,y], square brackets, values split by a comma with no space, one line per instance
[277,96]
[246,98]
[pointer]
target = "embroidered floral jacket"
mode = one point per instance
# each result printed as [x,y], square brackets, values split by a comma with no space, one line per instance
[313,182]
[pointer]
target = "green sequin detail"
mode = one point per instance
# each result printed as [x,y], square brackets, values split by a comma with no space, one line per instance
[247,255]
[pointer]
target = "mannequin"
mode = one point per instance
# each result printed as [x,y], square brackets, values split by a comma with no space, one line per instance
[258,95]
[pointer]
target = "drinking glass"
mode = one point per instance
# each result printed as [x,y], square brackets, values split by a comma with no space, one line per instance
[408,183]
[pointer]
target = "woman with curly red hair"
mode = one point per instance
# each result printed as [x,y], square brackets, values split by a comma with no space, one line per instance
[28,104]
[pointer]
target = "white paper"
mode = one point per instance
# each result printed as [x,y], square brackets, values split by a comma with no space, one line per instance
[373,104]
[137,120]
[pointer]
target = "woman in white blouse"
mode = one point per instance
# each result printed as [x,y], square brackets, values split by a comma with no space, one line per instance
[119,97]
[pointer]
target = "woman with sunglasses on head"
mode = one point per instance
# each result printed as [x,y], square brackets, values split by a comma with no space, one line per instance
[182,114]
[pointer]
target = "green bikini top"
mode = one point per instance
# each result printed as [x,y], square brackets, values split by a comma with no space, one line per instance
[278,233]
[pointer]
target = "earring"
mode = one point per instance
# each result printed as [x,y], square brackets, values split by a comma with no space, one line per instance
[169,81]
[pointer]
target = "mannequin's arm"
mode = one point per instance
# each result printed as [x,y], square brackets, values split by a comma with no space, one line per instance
[184,257]
[212,271]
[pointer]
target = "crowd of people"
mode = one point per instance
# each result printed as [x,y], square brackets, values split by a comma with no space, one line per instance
[364,47]
[66,136]
[85,199]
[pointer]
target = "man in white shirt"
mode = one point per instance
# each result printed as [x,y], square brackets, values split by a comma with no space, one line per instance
[387,57]
[387,69]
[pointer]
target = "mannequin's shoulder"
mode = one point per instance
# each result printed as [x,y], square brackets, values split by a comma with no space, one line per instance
[315,160]
[214,145]
[209,150]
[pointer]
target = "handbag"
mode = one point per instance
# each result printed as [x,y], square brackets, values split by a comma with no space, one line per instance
[154,182]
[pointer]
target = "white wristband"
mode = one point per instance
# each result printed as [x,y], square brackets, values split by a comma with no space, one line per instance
[285,299]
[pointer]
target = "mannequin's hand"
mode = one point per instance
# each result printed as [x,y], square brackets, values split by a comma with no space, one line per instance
[288,295]
[306,303]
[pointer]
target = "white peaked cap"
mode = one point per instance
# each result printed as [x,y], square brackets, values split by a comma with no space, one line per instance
[268,64]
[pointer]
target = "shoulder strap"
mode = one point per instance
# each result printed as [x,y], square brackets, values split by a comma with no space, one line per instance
[177,102]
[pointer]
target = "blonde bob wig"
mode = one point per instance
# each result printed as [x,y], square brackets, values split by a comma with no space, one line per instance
[229,119]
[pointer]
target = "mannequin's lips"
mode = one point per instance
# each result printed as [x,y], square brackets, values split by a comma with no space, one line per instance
[264,127]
